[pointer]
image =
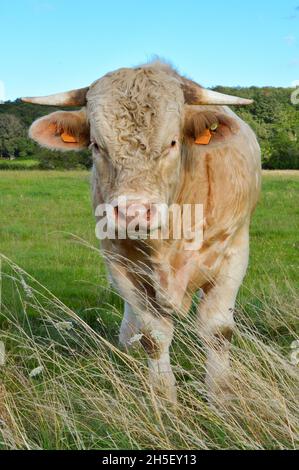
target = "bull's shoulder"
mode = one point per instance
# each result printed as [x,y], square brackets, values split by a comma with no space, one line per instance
[224,176]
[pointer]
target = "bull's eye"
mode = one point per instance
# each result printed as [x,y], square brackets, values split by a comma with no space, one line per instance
[173,143]
[95,147]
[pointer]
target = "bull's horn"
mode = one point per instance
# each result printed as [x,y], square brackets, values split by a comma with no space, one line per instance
[68,98]
[196,95]
[213,97]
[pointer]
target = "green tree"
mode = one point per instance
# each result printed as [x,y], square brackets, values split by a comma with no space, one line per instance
[12,131]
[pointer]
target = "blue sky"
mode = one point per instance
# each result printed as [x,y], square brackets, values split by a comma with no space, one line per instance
[55,45]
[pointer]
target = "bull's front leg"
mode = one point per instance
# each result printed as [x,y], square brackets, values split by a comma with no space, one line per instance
[157,334]
[155,329]
[157,324]
[215,319]
[129,327]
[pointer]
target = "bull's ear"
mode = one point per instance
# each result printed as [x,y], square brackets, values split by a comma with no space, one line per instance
[202,127]
[62,130]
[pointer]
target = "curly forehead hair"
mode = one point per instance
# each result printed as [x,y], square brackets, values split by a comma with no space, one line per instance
[134,102]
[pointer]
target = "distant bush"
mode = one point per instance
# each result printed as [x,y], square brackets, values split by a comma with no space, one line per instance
[50,160]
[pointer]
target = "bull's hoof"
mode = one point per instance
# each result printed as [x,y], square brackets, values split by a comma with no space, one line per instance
[221,391]
[164,389]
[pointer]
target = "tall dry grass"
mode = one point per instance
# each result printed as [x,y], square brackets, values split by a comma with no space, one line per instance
[66,385]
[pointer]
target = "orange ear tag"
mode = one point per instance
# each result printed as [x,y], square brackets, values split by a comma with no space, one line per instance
[68,138]
[204,138]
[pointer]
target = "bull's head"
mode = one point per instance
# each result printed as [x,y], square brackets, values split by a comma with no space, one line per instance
[137,122]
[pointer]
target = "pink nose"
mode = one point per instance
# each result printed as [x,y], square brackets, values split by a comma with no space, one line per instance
[137,212]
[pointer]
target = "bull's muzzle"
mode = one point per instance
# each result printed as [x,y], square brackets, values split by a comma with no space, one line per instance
[137,216]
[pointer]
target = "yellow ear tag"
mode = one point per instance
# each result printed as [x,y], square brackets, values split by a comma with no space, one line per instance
[68,138]
[204,138]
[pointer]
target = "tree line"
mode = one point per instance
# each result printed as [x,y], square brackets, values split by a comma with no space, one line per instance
[272,116]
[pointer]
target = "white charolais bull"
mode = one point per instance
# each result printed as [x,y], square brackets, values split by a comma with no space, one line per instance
[157,137]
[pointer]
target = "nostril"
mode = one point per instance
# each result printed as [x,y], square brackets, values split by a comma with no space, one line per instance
[150,213]
[142,213]
[120,212]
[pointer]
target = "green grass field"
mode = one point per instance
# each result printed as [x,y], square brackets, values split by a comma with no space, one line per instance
[41,211]
[47,229]
[19,164]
